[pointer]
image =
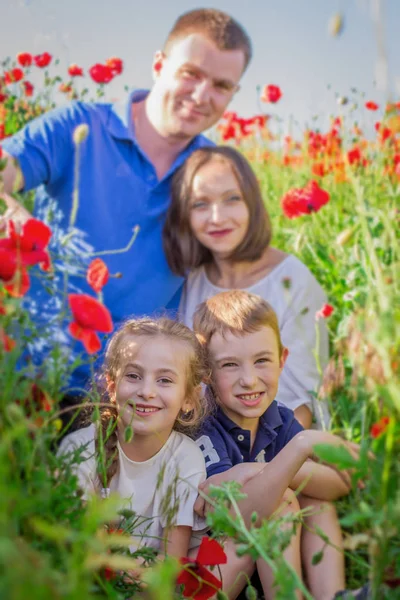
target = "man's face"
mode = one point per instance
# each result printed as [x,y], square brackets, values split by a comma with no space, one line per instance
[193,86]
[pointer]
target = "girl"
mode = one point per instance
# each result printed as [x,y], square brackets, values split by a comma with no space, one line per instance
[153,371]
[218,230]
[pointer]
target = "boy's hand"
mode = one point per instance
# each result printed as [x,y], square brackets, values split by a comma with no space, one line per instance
[201,506]
[310,438]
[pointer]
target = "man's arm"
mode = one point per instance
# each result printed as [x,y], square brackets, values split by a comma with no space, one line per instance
[13,179]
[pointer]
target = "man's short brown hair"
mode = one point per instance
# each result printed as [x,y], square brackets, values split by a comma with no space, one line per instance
[237,312]
[182,249]
[215,25]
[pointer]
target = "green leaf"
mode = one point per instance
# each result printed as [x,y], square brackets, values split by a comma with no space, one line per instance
[335,455]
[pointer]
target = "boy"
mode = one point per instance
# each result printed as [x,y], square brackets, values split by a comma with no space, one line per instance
[241,335]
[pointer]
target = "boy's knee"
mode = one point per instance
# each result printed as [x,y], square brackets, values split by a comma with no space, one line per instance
[290,501]
[317,505]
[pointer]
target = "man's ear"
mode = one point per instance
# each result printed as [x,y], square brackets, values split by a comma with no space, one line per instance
[283,358]
[158,63]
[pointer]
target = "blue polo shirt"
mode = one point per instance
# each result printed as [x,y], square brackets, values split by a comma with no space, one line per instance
[118,189]
[225,445]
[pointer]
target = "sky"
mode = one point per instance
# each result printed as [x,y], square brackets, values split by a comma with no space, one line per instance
[292,48]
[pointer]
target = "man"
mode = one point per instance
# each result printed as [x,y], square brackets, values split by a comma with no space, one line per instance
[125,169]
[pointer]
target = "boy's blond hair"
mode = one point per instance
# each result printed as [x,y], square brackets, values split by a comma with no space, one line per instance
[236,312]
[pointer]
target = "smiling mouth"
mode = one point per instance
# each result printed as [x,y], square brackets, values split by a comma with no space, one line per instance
[251,399]
[220,232]
[144,409]
[192,110]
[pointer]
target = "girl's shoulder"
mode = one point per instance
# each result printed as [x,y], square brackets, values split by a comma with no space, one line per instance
[84,437]
[184,450]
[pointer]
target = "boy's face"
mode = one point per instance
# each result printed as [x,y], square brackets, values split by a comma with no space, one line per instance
[246,372]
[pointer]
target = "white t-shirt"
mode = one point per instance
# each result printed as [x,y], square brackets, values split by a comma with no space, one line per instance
[136,483]
[295,308]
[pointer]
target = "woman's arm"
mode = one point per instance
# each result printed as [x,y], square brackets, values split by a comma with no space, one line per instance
[308,344]
[303,415]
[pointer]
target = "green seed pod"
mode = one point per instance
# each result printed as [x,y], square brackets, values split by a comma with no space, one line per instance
[251,593]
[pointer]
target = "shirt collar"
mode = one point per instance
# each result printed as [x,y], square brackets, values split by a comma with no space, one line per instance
[120,123]
[271,419]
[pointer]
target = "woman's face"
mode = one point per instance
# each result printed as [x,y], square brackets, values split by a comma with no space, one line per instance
[219,216]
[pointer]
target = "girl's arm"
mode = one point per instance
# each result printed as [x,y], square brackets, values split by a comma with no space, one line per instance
[178,541]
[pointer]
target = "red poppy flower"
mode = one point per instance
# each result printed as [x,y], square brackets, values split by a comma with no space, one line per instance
[101,73]
[42,60]
[380,427]
[319,169]
[90,316]
[260,120]
[24,59]
[371,105]
[6,342]
[40,399]
[324,312]
[75,71]
[13,76]
[97,274]
[304,201]
[3,98]
[64,88]
[271,93]
[199,583]
[109,573]
[21,250]
[28,88]
[115,64]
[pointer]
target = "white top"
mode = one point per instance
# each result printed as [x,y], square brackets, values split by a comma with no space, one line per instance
[137,483]
[295,308]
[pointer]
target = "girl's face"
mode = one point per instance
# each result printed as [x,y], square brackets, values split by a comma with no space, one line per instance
[151,383]
[219,216]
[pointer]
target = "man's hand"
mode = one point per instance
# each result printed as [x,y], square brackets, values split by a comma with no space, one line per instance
[14,212]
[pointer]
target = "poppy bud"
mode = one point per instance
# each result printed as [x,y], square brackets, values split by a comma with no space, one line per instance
[336,25]
[80,134]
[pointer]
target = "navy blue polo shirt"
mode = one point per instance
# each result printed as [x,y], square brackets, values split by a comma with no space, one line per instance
[224,444]
[118,189]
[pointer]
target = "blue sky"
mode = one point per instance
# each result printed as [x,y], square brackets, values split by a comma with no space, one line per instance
[292,47]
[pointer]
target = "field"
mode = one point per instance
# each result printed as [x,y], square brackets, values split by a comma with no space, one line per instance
[345,228]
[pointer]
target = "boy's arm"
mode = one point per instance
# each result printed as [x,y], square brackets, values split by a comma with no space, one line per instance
[321,481]
[264,491]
